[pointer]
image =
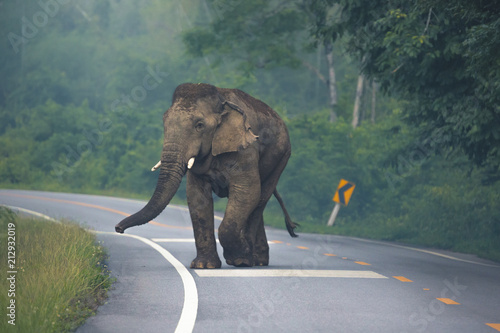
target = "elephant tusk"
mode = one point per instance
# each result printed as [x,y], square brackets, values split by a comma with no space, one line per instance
[190,162]
[157,165]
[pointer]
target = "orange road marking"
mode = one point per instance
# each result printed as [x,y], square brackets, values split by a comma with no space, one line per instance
[426,289]
[303,247]
[329,254]
[495,326]
[344,258]
[92,206]
[277,242]
[362,263]
[447,301]
[403,279]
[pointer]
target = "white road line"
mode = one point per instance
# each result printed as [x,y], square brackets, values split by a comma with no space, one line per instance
[181,240]
[31,212]
[190,307]
[288,273]
[173,240]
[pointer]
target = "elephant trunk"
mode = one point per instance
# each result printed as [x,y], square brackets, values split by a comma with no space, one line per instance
[172,170]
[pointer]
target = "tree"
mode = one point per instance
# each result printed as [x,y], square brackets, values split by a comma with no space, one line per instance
[442,58]
[357,101]
[374,101]
[267,34]
[319,14]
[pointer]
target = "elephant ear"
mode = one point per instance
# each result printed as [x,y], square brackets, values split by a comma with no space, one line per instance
[234,132]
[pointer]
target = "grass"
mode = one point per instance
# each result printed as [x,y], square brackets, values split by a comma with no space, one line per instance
[61,277]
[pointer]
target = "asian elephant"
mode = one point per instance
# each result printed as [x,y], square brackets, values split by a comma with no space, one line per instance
[230,143]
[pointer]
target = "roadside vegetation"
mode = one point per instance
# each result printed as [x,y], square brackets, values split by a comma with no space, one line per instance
[414,121]
[61,275]
[416,195]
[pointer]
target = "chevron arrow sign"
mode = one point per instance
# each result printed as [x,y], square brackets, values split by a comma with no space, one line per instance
[344,192]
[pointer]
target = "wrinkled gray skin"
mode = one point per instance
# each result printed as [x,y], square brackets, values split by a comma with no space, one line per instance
[241,147]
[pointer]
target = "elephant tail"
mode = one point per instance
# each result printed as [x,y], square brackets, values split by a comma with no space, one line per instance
[290,225]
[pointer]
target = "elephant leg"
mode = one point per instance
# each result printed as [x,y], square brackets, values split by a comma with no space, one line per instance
[200,202]
[256,227]
[256,221]
[243,197]
[261,247]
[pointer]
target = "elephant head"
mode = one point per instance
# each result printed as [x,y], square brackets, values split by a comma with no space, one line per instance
[199,124]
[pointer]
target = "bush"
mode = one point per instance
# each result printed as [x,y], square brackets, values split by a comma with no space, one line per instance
[405,190]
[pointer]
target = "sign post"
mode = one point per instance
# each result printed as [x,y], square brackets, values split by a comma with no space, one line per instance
[342,196]
[333,216]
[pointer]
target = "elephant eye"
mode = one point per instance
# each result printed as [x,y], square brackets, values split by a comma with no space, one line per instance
[199,126]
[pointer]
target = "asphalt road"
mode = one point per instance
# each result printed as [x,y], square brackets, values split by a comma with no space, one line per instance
[314,283]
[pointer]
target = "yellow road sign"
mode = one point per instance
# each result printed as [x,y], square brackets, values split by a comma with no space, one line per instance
[344,192]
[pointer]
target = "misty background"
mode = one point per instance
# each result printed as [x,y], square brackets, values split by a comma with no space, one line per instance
[400,99]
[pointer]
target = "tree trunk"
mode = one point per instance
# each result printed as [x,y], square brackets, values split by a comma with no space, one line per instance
[357,101]
[374,97]
[332,83]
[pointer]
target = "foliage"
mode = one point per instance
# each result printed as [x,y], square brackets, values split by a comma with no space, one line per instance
[82,96]
[410,195]
[61,277]
[441,58]
[256,40]
[268,31]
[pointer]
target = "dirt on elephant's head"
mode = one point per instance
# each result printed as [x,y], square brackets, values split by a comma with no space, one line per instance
[191,92]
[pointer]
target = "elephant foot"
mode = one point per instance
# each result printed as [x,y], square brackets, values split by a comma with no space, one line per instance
[240,262]
[261,261]
[237,251]
[204,262]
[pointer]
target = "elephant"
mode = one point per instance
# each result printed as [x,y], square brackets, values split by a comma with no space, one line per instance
[229,143]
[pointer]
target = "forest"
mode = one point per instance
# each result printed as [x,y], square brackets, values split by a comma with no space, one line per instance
[401,98]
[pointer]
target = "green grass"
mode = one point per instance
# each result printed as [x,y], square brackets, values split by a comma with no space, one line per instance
[61,276]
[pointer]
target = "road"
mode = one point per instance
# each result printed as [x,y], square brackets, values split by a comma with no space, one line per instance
[314,283]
